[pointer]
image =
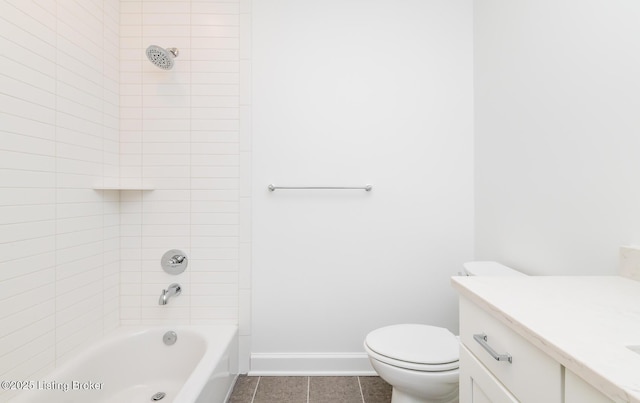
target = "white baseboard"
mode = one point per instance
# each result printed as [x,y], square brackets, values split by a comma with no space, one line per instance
[310,364]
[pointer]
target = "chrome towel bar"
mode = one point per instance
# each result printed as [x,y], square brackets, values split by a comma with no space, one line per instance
[273,187]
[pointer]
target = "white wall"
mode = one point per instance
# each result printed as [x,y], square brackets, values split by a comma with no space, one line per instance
[557,94]
[59,249]
[180,135]
[345,94]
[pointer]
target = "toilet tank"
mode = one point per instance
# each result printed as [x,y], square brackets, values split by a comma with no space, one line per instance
[489,269]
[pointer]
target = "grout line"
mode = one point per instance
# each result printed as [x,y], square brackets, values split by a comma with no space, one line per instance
[308,388]
[56,164]
[360,386]
[190,163]
[256,389]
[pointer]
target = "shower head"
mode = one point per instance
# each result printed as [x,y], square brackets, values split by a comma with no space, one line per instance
[161,57]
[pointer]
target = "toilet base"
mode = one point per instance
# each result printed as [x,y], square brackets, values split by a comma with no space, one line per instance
[398,396]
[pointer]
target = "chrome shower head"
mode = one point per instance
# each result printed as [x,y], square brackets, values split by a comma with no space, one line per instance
[162,58]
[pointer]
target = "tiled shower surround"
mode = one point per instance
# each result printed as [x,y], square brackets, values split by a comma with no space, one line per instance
[82,109]
[180,135]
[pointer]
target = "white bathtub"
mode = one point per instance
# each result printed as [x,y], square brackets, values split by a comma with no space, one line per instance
[133,363]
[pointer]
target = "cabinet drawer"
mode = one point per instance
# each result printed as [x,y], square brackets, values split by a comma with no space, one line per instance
[531,376]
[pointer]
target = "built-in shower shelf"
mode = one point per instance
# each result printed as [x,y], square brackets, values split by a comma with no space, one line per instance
[145,186]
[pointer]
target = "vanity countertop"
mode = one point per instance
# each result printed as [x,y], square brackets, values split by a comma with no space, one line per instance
[585,323]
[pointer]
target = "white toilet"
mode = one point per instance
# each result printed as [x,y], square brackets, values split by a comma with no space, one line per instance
[420,362]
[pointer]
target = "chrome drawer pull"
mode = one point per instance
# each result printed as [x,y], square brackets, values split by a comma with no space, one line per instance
[482,340]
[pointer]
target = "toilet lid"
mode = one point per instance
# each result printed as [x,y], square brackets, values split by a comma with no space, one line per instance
[419,344]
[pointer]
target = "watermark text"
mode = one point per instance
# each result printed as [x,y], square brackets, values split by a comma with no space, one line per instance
[64,386]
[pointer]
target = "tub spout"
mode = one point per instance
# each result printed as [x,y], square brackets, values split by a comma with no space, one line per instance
[172,291]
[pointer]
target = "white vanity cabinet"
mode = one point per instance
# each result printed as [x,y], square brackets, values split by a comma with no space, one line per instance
[568,339]
[498,365]
[522,372]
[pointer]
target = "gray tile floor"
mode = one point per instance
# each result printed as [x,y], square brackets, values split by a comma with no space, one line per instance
[314,389]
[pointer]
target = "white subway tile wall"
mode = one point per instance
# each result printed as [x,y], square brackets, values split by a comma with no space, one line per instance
[82,108]
[59,138]
[180,134]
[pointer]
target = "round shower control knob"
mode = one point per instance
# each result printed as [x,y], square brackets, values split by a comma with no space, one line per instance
[174,261]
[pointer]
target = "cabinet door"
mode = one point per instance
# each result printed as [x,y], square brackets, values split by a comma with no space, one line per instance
[578,391]
[477,385]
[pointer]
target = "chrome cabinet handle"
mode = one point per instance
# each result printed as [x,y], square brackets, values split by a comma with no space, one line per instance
[482,340]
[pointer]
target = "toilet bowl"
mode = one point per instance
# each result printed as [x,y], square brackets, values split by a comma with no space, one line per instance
[419,361]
